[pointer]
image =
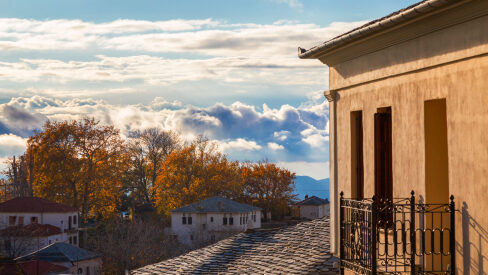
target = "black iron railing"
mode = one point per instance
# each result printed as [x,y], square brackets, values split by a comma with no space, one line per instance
[398,236]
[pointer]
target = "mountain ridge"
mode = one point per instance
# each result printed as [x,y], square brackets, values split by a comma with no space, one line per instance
[305,185]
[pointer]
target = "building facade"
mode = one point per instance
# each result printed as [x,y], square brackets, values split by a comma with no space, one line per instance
[311,208]
[408,112]
[29,223]
[213,219]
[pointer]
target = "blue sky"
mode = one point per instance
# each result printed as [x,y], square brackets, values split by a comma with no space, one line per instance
[227,69]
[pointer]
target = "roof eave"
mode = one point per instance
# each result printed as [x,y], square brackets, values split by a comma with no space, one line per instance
[385,23]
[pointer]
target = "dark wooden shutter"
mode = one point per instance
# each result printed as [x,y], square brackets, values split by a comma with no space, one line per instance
[359,157]
[383,163]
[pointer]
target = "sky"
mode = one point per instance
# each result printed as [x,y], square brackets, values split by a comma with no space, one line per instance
[225,69]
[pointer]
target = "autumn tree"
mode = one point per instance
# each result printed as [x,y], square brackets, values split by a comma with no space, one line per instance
[18,177]
[196,171]
[268,186]
[79,163]
[147,150]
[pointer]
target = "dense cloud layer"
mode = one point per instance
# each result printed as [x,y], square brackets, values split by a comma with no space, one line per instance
[285,134]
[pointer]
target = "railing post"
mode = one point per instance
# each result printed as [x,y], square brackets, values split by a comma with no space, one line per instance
[452,235]
[413,235]
[341,232]
[374,227]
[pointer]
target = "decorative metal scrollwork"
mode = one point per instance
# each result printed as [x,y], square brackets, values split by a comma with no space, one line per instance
[390,235]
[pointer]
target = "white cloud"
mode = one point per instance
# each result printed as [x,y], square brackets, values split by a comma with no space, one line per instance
[316,140]
[286,133]
[208,37]
[161,71]
[275,146]
[10,145]
[240,144]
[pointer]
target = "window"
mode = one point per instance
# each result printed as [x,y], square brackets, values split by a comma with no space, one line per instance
[189,220]
[357,165]
[75,240]
[69,222]
[191,237]
[50,241]
[21,220]
[225,220]
[70,240]
[34,220]
[203,225]
[212,238]
[240,220]
[183,220]
[11,220]
[87,270]
[246,218]
[80,270]
[74,219]
[231,221]
[211,219]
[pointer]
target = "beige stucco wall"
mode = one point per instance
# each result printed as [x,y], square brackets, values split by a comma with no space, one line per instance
[450,63]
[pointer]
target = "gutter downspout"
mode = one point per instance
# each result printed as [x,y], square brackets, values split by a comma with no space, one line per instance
[332,97]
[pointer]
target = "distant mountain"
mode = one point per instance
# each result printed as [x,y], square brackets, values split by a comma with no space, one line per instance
[305,185]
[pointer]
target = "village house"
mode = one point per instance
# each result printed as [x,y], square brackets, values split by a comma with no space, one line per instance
[213,219]
[408,103]
[77,260]
[30,223]
[311,208]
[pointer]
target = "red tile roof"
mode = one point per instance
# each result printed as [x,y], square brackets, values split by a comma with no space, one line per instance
[41,267]
[31,230]
[34,205]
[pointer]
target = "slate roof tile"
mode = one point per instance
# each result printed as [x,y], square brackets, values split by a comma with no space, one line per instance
[216,204]
[299,249]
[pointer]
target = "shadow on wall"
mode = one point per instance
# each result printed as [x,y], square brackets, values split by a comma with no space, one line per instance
[437,44]
[474,238]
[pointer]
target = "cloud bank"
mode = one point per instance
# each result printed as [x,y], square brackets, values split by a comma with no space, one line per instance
[287,134]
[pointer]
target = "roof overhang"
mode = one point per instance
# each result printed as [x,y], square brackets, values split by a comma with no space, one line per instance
[391,21]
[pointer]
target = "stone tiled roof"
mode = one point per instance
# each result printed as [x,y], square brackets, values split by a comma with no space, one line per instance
[299,249]
[216,204]
[313,200]
[60,252]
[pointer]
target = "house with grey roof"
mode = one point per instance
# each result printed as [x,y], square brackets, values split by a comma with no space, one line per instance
[311,208]
[299,249]
[213,219]
[77,260]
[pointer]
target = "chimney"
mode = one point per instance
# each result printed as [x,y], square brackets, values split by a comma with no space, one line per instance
[219,204]
[306,196]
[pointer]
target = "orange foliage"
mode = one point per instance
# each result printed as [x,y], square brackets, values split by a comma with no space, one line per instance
[78,163]
[268,186]
[195,172]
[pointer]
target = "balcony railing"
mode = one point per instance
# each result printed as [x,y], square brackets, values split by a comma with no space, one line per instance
[399,236]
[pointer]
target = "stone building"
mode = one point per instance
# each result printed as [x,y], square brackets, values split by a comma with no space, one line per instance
[408,97]
[213,219]
[311,208]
